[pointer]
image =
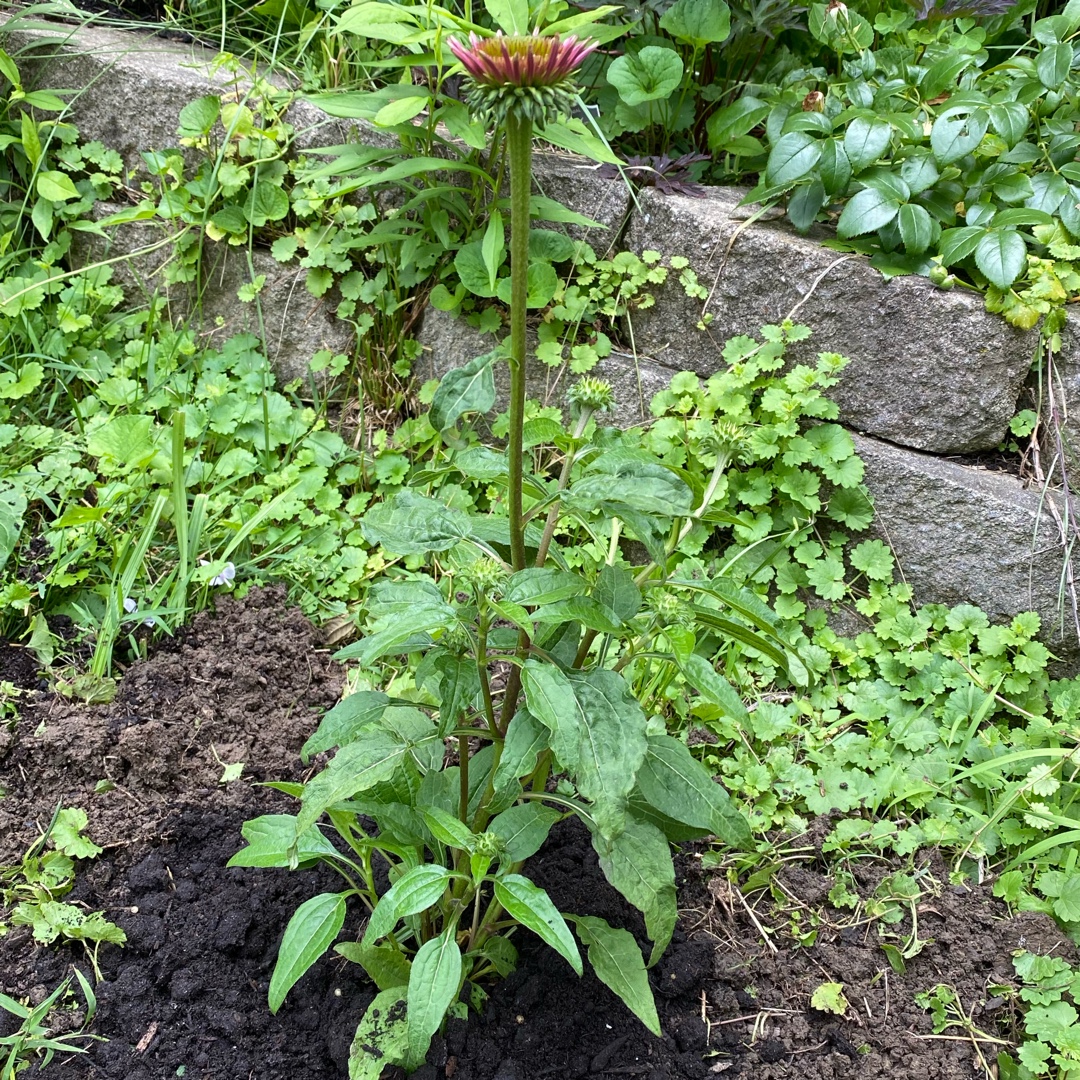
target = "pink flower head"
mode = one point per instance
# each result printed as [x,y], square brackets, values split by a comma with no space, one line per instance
[523,59]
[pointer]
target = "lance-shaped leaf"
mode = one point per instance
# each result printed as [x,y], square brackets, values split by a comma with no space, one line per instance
[597,733]
[434,983]
[616,959]
[465,389]
[638,863]
[354,768]
[383,1027]
[411,524]
[524,828]
[541,585]
[712,686]
[412,893]
[387,967]
[674,782]
[271,838]
[344,722]
[532,907]
[314,925]
[398,636]
[525,739]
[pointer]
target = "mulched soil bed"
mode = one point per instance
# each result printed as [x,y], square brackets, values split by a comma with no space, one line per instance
[187,995]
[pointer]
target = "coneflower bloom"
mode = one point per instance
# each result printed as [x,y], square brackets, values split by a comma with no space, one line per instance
[528,72]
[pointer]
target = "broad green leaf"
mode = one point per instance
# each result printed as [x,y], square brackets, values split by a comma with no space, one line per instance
[27,379]
[354,768]
[525,739]
[459,686]
[1048,192]
[314,925]
[1010,120]
[638,863]
[377,21]
[539,585]
[1002,256]
[66,834]
[550,246]
[597,733]
[582,609]
[834,167]
[634,480]
[411,524]
[1067,902]
[542,283]
[617,961]
[368,649]
[124,440]
[12,509]
[470,388]
[401,110]
[792,157]
[382,1036]
[1053,63]
[472,270]
[532,907]
[805,203]
[524,828]
[434,983]
[653,72]
[919,172]
[957,131]
[680,787]
[715,688]
[413,892]
[616,590]
[511,16]
[916,228]
[344,722]
[865,140]
[199,116]
[267,202]
[734,120]
[271,837]
[56,186]
[866,211]
[698,22]
[957,244]
[387,967]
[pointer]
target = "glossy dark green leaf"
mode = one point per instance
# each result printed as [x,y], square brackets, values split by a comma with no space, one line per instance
[866,139]
[638,863]
[805,203]
[734,120]
[344,722]
[919,172]
[834,167]
[434,983]
[617,961]
[1048,191]
[1053,63]
[866,211]
[467,389]
[916,228]
[532,907]
[792,157]
[958,244]
[957,131]
[314,925]
[1002,256]
[1010,120]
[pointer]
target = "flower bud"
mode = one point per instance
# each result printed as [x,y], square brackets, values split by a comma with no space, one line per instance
[814,102]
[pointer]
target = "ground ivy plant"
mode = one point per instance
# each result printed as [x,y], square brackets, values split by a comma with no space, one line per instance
[524,705]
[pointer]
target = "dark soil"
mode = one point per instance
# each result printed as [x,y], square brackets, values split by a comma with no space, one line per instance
[187,995]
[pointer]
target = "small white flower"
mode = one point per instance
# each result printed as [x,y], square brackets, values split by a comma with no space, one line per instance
[225,576]
[131,606]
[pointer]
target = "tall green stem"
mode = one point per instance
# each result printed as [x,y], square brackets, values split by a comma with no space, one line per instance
[519,147]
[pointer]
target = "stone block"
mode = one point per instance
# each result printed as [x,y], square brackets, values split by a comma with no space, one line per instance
[574,182]
[963,535]
[929,369]
[449,342]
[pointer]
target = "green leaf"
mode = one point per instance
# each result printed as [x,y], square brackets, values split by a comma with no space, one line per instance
[916,228]
[957,131]
[511,16]
[638,863]
[792,157]
[387,967]
[524,828]
[1010,120]
[472,270]
[653,72]
[69,823]
[267,202]
[865,140]
[314,925]
[447,829]
[698,22]
[271,837]
[805,203]
[354,768]
[634,480]
[411,524]
[492,247]
[715,688]
[342,723]
[834,167]
[677,785]
[536,585]
[866,211]
[382,1036]
[617,591]
[401,110]
[470,388]
[597,733]
[957,244]
[617,961]
[1053,63]
[735,120]
[1067,902]
[1002,256]
[28,378]
[525,739]
[401,631]
[56,186]
[413,892]
[532,907]
[12,509]
[829,997]
[542,283]
[434,983]
[123,440]
[199,116]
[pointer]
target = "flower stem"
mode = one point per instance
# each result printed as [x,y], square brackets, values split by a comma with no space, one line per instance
[519,147]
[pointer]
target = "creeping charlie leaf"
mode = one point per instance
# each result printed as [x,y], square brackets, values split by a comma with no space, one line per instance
[314,925]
